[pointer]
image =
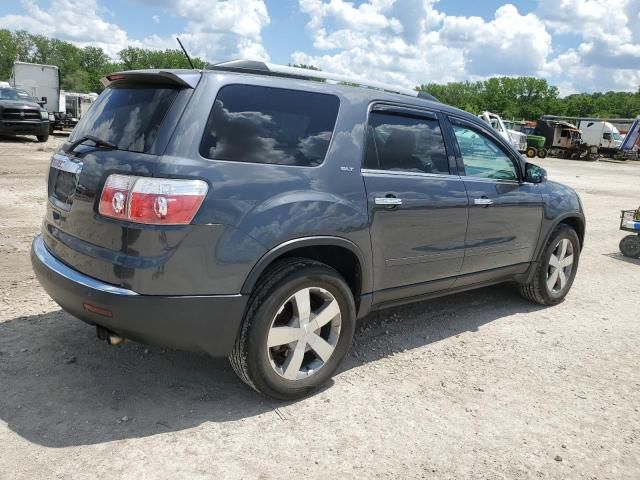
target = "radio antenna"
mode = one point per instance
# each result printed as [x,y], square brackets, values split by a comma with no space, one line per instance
[185,52]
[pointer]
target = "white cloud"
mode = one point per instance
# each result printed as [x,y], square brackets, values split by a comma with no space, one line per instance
[411,42]
[156,19]
[216,29]
[609,29]
[76,21]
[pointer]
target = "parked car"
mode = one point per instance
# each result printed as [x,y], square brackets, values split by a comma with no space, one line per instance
[249,211]
[21,115]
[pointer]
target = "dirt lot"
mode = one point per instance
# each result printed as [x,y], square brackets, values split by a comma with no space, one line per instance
[478,385]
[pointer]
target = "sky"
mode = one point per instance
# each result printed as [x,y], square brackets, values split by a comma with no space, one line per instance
[577,45]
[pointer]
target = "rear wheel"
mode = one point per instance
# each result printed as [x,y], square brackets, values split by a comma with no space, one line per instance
[630,246]
[42,138]
[298,328]
[556,268]
[531,152]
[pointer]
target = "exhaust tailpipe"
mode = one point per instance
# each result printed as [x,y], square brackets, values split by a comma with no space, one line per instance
[110,337]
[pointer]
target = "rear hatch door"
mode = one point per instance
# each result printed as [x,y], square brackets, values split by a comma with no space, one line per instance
[133,120]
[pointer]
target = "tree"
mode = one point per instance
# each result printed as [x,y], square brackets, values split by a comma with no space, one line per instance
[134,58]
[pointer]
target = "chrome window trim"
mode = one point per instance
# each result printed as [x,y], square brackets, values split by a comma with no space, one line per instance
[491,180]
[374,171]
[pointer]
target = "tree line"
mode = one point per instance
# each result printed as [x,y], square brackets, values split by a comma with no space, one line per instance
[521,97]
[529,98]
[82,68]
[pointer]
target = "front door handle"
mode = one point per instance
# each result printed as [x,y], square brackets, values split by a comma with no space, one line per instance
[388,201]
[483,201]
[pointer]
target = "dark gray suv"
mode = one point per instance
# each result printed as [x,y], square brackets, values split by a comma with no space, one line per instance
[256,211]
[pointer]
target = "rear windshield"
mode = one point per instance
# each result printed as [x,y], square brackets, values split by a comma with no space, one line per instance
[128,117]
[270,125]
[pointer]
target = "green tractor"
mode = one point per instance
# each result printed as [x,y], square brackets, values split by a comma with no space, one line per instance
[535,143]
[535,146]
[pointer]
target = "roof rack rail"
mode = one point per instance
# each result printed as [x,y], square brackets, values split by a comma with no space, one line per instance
[271,69]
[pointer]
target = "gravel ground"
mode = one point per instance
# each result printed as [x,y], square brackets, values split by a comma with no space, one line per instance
[477,385]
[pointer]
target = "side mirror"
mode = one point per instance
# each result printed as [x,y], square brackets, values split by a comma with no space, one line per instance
[534,173]
[42,103]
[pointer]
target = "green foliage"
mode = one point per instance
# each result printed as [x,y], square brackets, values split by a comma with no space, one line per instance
[139,58]
[529,98]
[81,69]
[304,65]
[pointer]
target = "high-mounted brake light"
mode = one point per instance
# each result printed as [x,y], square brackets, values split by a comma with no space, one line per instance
[157,201]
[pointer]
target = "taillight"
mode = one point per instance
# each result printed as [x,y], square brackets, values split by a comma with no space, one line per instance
[158,201]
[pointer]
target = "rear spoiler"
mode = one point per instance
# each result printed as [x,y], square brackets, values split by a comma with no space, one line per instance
[179,78]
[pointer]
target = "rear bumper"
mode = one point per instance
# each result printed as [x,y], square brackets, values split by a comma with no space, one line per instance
[12,127]
[199,323]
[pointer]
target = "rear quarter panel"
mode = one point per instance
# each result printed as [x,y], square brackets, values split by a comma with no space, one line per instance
[260,206]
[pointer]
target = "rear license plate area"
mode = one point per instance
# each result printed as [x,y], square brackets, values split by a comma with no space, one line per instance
[63,181]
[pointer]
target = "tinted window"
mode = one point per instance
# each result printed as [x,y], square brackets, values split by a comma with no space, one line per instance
[482,157]
[399,142]
[270,125]
[128,117]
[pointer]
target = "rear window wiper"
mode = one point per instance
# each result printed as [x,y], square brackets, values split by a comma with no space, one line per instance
[97,141]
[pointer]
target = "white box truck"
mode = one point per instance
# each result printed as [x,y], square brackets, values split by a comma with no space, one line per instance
[42,82]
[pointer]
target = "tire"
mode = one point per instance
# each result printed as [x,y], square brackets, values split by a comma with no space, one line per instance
[531,152]
[542,153]
[274,371]
[630,246]
[42,138]
[542,288]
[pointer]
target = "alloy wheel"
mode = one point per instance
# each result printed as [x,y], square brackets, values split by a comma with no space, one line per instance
[560,266]
[304,333]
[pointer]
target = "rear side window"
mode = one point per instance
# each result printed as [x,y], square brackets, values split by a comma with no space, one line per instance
[128,117]
[405,143]
[270,125]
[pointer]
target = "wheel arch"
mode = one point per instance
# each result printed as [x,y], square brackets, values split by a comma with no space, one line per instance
[337,252]
[576,222]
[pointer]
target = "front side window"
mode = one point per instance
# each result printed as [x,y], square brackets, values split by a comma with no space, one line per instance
[482,157]
[405,143]
[270,125]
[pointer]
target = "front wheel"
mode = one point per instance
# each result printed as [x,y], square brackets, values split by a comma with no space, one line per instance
[531,152]
[556,268]
[42,138]
[542,153]
[630,246]
[298,328]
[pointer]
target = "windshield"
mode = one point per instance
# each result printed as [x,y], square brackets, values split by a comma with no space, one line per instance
[129,116]
[616,136]
[13,94]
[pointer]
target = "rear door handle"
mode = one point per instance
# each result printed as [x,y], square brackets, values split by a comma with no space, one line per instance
[483,201]
[388,201]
